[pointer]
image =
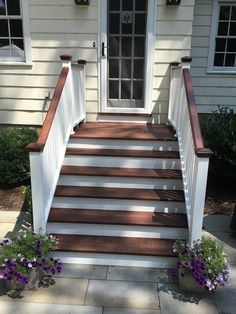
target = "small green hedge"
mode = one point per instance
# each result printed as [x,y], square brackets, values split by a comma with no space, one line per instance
[219,133]
[14,158]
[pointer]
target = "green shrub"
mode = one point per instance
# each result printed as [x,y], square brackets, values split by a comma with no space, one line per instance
[219,133]
[14,158]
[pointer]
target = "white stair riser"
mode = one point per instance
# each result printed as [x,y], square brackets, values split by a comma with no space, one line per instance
[124,144]
[116,259]
[135,119]
[127,162]
[116,182]
[117,204]
[118,230]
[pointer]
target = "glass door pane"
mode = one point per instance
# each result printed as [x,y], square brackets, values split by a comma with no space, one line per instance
[126,53]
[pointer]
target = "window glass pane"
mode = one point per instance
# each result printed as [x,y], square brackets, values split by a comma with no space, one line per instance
[230,60]
[140,5]
[13,7]
[224,12]
[125,89]
[114,23]
[233,13]
[2,7]
[232,30]
[4,42]
[139,46]
[16,28]
[231,45]
[114,5]
[219,60]
[127,5]
[114,46]
[127,28]
[140,23]
[3,28]
[138,90]
[114,68]
[223,28]
[19,43]
[220,44]
[126,46]
[126,68]
[113,89]
[138,69]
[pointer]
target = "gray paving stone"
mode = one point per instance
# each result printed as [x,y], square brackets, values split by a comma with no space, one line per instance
[225,299]
[113,310]
[29,308]
[83,271]
[217,223]
[122,294]
[65,291]
[139,274]
[174,301]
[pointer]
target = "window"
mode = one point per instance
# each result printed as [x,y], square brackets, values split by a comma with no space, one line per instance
[223,38]
[14,31]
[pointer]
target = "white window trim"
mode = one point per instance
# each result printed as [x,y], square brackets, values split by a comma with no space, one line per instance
[211,52]
[27,39]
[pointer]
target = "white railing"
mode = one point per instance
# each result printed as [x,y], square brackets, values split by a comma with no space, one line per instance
[194,157]
[66,110]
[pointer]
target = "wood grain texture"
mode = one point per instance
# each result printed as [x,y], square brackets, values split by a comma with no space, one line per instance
[120,193]
[125,131]
[92,216]
[115,245]
[122,172]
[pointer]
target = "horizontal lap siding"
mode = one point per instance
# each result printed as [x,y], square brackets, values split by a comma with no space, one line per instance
[210,89]
[57,27]
[173,41]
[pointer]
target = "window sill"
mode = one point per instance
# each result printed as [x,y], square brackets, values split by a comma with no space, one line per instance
[15,63]
[228,72]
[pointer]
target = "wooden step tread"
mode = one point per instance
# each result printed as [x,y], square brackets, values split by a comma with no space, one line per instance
[120,193]
[125,131]
[122,172]
[92,216]
[122,153]
[115,245]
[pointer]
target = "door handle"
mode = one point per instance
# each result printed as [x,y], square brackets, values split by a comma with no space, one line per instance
[103,49]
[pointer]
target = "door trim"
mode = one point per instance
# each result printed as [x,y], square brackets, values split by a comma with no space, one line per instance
[149,60]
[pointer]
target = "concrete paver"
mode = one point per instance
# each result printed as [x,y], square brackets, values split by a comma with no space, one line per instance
[65,291]
[122,294]
[33,308]
[112,310]
[83,271]
[139,274]
[174,301]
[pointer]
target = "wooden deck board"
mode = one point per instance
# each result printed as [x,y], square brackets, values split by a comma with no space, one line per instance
[128,131]
[122,172]
[115,245]
[120,193]
[92,216]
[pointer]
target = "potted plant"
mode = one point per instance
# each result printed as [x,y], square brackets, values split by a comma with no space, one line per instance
[26,259]
[202,266]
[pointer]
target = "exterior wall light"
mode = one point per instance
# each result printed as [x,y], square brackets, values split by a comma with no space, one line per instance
[81,2]
[173,2]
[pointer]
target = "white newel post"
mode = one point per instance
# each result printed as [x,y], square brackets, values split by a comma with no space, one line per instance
[198,202]
[37,189]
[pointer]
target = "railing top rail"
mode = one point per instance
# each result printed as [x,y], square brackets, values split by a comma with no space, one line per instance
[41,141]
[200,150]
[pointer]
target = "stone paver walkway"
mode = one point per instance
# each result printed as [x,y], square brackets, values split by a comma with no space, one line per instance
[86,289]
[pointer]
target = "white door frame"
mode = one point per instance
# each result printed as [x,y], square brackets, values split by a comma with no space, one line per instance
[149,60]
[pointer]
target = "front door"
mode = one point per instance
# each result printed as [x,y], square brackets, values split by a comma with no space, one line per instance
[124,43]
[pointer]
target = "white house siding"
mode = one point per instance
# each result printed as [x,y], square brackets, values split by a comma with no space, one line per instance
[211,89]
[58,27]
[173,41]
